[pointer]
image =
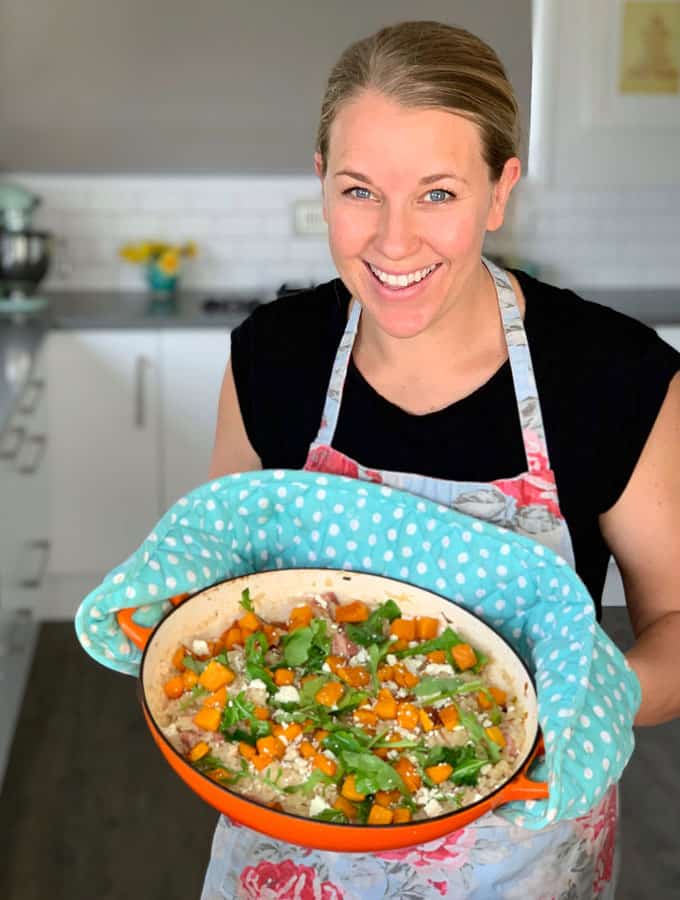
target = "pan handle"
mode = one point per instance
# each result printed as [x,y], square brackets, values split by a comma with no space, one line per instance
[139,634]
[523,788]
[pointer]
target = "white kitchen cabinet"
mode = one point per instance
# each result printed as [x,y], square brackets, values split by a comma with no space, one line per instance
[24,488]
[192,364]
[103,426]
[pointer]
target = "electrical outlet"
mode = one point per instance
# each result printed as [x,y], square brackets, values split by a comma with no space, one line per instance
[309,217]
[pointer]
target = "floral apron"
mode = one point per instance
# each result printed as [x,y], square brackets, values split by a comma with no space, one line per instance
[489,859]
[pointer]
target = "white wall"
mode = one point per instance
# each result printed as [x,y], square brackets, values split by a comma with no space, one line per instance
[600,208]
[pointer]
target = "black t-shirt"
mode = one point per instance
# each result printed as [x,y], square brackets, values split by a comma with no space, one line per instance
[601,377]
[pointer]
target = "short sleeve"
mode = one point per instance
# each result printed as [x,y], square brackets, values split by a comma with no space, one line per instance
[637,395]
[281,357]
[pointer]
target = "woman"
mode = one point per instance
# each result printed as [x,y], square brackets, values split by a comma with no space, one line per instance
[428,368]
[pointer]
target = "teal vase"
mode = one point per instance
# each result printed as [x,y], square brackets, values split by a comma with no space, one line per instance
[159,282]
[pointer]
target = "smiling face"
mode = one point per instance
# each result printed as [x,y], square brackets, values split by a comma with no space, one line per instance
[408,198]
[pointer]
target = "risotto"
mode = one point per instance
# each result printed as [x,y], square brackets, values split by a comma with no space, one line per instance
[345,712]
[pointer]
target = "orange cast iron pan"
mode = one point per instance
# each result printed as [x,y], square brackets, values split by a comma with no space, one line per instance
[208,613]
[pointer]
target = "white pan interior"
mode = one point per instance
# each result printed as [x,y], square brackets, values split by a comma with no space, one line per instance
[207,614]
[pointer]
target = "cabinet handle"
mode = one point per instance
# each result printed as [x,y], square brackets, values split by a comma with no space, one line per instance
[141,364]
[40,442]
[11,451]
[30,400]
[35,581]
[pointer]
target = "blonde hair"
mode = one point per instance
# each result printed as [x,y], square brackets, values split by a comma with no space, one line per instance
[429,65]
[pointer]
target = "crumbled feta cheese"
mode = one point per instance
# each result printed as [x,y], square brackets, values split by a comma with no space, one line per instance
[258,684]
[329,754]
[433,808]
[287,694]
[361,657]
[422,796]
[511,708]
[317,806]
[200,648]
[439,669]
[412,665]
[402,692]
[326,667]
[486,722]
[391,659]
[486,769]
[321,601]
[412,644]
[392,754]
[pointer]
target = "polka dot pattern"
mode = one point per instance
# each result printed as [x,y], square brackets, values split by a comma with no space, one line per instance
[588,695]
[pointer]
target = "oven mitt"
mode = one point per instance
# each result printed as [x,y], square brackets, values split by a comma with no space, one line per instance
[587,693]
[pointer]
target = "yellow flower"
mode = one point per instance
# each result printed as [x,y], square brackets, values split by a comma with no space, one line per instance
[132,253]
[168,262]
[167,255]
[189,249]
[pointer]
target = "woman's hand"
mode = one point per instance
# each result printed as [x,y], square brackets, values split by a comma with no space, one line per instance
[643,531]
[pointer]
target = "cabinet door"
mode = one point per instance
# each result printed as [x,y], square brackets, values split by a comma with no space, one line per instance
[103,429]
[25,492]
[192,367]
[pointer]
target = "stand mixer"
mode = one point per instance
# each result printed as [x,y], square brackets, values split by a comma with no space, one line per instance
[25,253]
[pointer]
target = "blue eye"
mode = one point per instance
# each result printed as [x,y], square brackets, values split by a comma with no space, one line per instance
[443,195]
[351,191]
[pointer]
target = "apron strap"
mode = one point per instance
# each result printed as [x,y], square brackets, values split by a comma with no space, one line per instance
[526,392]
[336,385]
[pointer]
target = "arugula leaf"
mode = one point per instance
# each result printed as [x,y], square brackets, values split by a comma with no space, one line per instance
[237,709]
[494,712]
[372,631]
[195,665]
[332,815]
[240,709]
[256,647]
[397,745]
[317,777]
[341,740]
[464,760]
[197,691]
[372,773]
[308,647]
[208,763]
[445,641]
[350,699]
[431,689]
[311,688]
[376,653]
[363,810]
[469,721]
[245,601]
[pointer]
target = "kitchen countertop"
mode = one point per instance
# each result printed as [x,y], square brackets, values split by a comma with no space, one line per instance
[20,342]
[137,309]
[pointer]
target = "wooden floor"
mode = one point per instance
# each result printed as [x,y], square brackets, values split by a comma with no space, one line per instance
[90,811]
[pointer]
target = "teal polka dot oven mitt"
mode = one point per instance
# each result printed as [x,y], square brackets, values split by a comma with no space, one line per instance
[587,693]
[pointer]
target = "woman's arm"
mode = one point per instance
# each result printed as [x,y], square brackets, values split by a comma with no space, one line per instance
[643,531]
[232,451]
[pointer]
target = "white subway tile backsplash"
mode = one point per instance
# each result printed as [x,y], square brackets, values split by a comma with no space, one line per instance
[244,226]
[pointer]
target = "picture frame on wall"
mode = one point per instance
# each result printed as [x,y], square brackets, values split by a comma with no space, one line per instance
[633,57]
